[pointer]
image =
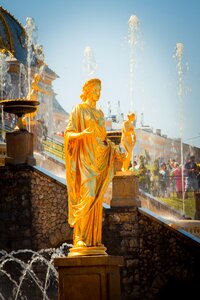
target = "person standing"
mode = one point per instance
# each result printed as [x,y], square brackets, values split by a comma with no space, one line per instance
[191,171]
[177,175]
[164,180]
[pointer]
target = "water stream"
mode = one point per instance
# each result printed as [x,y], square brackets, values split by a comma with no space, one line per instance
[29,275]
[133,37]
[4,87]
[179,57]
[89,61]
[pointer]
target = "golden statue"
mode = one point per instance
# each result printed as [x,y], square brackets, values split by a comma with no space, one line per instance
[89,170]
[128,139]
[35,89]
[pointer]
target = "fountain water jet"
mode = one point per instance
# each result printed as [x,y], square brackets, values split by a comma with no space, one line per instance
[4,80]
[35,56]
[133,32]
[22,79]
[31,35]
[89,62]
[178,56]
[30,274]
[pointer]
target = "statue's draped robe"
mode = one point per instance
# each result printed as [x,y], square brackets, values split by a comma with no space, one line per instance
[127,136]
[89,170]
[128,140]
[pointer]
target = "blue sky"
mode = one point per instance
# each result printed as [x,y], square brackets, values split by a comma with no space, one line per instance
[66,27]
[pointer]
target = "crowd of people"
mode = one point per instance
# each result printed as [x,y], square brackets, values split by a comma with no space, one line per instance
[166,178]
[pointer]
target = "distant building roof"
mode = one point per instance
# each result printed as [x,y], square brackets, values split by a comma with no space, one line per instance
[57,107]
[12,36]
[146,128]
[13,39]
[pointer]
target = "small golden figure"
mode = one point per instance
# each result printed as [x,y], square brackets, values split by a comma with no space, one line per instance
[128,139]
[35,89]
[89,170]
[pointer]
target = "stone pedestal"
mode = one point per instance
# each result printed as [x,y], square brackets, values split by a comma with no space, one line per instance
[2,153]
[125,190]
[19,148]
[84,278]
[117,166]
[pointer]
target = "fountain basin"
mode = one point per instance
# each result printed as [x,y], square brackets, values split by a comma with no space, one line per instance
[19,106]
[20,141]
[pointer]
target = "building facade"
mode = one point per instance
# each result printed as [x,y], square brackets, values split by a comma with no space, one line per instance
[17,72]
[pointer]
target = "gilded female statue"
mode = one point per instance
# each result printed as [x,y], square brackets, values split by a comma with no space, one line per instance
[89,170]
[128,139]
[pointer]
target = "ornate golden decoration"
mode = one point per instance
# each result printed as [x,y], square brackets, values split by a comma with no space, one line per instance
[35,89]
[10,45]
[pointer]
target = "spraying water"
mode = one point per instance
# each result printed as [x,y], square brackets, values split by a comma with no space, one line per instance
[38,49]
[109,109]
[35,56]
[119,116]
[27,274]
[31,37]
[4,86]
[133,37]
[178,56]
[89,62]
[22,80]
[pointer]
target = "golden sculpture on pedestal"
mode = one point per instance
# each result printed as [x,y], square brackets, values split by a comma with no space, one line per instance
[128,139]
[35,89]
[89,170]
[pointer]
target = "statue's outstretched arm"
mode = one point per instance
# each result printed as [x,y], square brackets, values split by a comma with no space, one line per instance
[79,135]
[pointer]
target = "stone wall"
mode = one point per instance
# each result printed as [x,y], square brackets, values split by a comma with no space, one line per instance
[33,209]
[159,260]
[49,211]
[15,213]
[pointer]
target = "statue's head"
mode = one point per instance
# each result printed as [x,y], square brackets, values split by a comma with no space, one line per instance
[37,77]
[131,116]
[89,87]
